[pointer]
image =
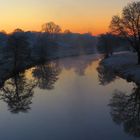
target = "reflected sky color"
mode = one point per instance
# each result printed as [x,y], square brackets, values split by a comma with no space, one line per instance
[76,109]
[77,15]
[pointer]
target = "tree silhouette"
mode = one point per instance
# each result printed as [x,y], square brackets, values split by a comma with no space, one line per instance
[125,110]
[47,75]
[106,44]
[17,92]
[128,25]
[67,31]
[51,29]
[42,47]
[18,45]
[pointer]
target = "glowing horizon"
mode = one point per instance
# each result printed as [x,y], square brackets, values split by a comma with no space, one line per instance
[78,16]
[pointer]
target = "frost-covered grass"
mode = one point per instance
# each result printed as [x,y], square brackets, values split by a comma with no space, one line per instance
[125,65]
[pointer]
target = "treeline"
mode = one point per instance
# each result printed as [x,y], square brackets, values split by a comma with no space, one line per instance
[19,47]
[109,43]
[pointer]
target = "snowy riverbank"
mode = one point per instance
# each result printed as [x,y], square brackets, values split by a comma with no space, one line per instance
[125,65]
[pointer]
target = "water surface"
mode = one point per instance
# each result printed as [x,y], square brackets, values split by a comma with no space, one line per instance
[69,99]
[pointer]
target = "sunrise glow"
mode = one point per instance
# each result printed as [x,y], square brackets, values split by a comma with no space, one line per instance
[78,16]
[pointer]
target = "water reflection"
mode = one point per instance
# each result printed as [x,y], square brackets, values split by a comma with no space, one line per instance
[105,74]
[125,110]
[79,64]
[47,74]
[17,92]
[75,108]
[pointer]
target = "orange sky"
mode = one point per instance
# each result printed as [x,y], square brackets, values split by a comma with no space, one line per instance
[76,15]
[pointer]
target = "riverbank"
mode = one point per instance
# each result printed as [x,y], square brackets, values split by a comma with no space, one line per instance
[124,65]
[7,72]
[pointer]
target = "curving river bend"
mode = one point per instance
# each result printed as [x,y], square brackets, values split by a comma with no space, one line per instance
[69,99]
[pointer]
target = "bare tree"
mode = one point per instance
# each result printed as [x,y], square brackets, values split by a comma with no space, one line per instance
[128,25]
[67,31]
[51,28]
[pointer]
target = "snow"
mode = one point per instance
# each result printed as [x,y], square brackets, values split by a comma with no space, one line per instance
[125,65]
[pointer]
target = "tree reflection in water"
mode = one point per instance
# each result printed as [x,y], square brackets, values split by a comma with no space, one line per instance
[47,75]
[17,92]
[105,74]
[125,110]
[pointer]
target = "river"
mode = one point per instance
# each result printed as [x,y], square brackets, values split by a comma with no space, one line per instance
[69,99]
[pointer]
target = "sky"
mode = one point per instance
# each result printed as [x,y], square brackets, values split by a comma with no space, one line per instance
[76,15]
